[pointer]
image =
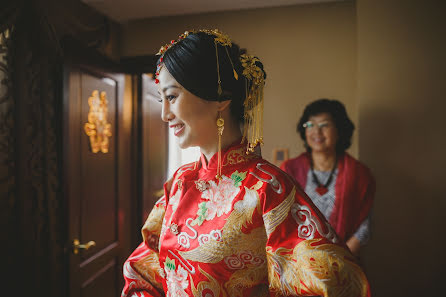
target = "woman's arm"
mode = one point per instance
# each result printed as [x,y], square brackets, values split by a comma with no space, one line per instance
[360,237]
[354,245]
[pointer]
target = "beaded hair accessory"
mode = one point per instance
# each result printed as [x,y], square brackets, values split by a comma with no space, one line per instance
[255,82]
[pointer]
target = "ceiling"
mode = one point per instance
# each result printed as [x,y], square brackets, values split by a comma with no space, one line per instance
[126,10]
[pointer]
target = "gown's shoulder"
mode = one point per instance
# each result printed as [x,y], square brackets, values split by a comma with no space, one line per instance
[278,186]
[184,168]
[265,167]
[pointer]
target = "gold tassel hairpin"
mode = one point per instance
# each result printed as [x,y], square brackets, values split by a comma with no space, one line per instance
[253,105]
[220,128]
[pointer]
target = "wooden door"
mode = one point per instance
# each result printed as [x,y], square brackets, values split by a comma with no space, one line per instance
[97,184]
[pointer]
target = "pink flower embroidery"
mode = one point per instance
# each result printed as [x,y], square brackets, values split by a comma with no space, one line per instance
[220,197]
[176,282]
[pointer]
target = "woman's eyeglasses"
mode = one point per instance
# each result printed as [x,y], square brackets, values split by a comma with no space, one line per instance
[312,126]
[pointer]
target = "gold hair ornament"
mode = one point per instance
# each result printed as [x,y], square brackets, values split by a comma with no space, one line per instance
[253,105]
[220,38]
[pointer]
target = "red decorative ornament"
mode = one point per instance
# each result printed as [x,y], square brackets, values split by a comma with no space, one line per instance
[321,190]
[157,81]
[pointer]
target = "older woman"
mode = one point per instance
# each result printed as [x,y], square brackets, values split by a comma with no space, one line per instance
[340,186]
[230,224]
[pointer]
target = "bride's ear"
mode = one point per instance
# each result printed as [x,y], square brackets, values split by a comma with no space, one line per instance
[222,105]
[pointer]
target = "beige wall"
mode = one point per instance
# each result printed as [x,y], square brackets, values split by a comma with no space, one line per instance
[309,52]
[401,93]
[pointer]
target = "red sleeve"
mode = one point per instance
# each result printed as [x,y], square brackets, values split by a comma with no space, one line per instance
[142,272]
[303,255]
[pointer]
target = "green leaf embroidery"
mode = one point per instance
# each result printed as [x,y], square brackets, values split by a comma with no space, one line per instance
[238,177]
[170,264]
[201,213]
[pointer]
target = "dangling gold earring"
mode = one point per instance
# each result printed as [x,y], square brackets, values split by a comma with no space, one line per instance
[220,127]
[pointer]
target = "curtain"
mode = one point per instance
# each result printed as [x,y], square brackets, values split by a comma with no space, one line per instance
[33,210]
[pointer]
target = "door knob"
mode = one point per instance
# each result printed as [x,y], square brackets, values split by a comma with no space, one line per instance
[78,246]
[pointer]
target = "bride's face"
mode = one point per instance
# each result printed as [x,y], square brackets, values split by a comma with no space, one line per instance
[192,118]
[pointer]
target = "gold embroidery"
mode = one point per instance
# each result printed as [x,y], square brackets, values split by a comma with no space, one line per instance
[211,285]
[215,251]
[312,269]
[261,290]
[149,268]
[154,222]
[277,215]
[245,278]
[239,156]
[233,239]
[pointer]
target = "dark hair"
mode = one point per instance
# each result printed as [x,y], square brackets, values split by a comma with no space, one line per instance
[341,120]
[192,61]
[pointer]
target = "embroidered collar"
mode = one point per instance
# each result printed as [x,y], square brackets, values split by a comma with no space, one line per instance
[232,155]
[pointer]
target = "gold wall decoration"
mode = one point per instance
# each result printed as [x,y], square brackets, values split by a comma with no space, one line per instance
[97,128]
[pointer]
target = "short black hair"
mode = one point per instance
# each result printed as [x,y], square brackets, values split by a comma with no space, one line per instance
[336,109]
[192,61]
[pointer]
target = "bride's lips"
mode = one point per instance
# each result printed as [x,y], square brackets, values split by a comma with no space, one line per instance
[178,129]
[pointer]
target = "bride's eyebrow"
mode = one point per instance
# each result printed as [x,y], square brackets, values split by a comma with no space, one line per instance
[170,87]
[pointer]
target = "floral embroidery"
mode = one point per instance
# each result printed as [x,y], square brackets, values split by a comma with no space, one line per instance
[176,279]
[246,209]
[202,209]
[233,240]
[220,197]
[238,177]
[201,185]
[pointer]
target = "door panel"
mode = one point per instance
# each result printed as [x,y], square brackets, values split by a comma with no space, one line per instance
[98,185]
[103,282]
[99,202]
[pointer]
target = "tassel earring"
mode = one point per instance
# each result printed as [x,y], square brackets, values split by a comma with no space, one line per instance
[220,127]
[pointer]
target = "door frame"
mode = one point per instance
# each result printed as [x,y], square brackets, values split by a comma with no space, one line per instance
[85,61]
